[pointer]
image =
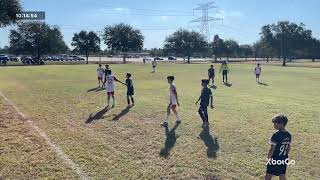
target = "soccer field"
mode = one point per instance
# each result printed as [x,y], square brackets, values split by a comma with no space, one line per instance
[123,143]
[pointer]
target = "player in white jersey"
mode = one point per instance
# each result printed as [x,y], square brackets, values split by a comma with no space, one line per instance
[154,65]
[109,81]
[100,72]
[173,102]
[257,71]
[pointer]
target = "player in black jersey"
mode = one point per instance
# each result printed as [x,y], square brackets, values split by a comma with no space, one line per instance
[211,74]
[130,90]
[280,146]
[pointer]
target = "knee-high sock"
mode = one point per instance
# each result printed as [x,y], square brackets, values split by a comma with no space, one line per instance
[168,117]
[201,114]
[177,116]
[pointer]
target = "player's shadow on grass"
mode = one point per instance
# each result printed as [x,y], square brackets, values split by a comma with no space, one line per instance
[227,84]
[98,115]
[122,113]
[213,86]
[210,142]
[96,89]
[263,84]
[170,141]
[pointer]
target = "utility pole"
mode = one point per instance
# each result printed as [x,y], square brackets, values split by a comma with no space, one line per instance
[204,20]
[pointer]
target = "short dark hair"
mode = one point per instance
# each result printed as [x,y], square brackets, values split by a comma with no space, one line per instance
[205,81]
[108,71]
[211,65]
[281,119]
[258,64]
[129,74]
[170,78]
[99,64]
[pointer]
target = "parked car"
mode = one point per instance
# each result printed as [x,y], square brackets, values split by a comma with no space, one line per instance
[13,58]
[172,58]
[48,58]
[66,57]
[4,60]
[76,58]
[158,58]
[28,60]
[55,58]
[81,58]
[147,59]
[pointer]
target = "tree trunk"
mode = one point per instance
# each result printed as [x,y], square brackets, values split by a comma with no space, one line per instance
[313,60]
[188,60]
[267,59]
[87,56]
[284,61]
[38,56]
[124,58]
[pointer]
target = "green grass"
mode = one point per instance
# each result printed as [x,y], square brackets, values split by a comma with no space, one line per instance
[56,98]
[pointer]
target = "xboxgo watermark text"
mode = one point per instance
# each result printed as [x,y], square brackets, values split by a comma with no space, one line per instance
[287,161]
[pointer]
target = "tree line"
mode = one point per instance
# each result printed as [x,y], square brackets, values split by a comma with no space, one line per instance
[283,40]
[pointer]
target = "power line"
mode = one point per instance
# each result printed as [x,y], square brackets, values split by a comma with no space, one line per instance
[205,18]
[141,9]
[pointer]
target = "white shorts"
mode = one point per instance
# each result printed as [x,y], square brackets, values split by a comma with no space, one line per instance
[173,101]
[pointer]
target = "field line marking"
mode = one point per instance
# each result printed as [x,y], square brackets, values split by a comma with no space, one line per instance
[64,157]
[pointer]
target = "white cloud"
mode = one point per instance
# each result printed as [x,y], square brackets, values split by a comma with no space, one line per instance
[119,9]
[122,10]
[164,18]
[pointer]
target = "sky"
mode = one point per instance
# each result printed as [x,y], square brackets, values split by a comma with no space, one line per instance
[157,19]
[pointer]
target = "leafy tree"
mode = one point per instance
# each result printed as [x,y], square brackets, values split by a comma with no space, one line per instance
[8,11]
[231,48]
[86,42]
[154,52]
[266,45]
[123,38]
[4,50]
[186,43]
[285,39]
[217,46]
[245,50]
[36,38]
[314,49]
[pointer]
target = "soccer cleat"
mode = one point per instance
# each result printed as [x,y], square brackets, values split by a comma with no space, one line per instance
[178,122]
[164,124]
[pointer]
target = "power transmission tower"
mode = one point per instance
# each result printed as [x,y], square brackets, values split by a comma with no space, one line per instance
[205,18]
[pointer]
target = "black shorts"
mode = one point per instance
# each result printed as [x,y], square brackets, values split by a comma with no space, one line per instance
[257,75]
[130,92]
[276,170]
[224,72]
[211,76]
